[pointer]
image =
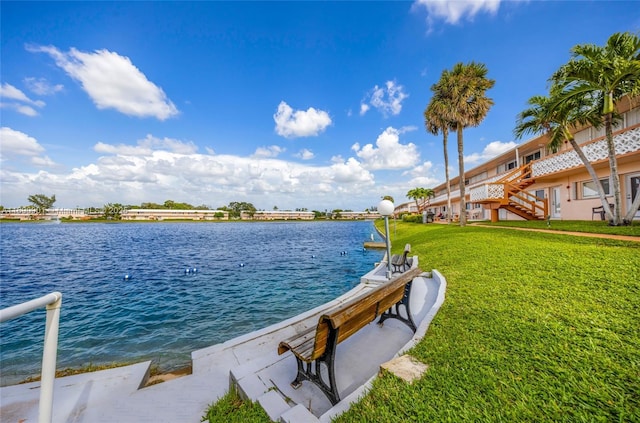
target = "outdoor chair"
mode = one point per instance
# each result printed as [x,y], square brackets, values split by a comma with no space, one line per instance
[600,210]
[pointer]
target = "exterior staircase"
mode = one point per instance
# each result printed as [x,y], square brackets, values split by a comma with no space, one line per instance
[509,193]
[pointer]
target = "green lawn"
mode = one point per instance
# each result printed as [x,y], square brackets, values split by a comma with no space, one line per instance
[535,327]
[595,226]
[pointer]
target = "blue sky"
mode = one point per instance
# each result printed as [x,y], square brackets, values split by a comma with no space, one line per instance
[314,105]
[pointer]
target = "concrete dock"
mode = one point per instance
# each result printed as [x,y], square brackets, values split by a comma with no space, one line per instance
[250,362]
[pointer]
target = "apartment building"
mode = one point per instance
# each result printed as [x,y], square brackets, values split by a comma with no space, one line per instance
[529,182]
[277,215]
[173,214]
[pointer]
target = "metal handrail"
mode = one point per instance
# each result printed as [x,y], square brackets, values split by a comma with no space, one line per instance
[52,302]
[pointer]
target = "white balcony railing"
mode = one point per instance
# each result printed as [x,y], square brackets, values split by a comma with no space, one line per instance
[626,142]
[52,302]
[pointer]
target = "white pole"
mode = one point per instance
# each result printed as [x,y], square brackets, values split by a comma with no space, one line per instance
[49,356]
[386,232]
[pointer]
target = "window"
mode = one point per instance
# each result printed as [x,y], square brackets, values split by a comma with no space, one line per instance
[532,157]
[479,177]
[582,136]
[589,189]
[633,117]
[539,193]
[503,167]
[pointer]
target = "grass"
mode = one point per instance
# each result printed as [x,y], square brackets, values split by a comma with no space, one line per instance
[535,327]
[231,409]
[70,371]
[595,226]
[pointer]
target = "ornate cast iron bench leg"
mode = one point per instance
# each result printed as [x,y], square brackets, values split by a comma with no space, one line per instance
[312,371]
[394,311]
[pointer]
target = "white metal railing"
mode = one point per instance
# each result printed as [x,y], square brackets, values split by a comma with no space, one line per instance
[52,302]
[625,142]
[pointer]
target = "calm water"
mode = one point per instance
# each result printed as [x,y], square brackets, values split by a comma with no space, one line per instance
[249,275]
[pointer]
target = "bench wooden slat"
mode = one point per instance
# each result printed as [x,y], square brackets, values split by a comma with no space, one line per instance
[339,315]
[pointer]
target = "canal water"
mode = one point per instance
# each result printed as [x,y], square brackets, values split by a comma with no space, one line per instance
[158,291]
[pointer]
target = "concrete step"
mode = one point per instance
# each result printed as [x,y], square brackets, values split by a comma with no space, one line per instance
[73,395]
[183,400]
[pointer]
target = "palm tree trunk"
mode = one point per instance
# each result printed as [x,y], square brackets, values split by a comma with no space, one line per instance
[632,211]
[445,135]
[615,178]
[463,205]
[593,174]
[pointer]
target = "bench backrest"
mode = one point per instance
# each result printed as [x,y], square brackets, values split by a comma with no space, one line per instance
[353,315]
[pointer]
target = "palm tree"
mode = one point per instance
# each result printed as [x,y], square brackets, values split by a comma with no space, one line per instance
[416,194]
[549,117]
[428,193]
[465,91]
[599,77]
[420,194]
[436,120]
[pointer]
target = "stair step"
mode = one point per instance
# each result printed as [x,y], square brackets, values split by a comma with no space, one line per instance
[273,404]
[298,414]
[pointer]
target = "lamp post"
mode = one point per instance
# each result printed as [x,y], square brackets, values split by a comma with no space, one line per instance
[386,208]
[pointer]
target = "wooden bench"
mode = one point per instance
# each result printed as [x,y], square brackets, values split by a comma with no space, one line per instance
[400,263]
[317,345]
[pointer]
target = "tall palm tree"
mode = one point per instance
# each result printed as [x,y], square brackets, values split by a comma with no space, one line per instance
[436,120]
[466,87]
[601,76]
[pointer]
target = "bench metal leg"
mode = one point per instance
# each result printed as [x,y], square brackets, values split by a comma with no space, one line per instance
[312,371]
[394,311]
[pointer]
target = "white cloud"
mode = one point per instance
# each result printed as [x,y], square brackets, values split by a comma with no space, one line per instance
[22,104]
[388,152]
[17,145]
[422,176]
[271,151]
[146,146]
[300,123]
[11,92]
[388,99]
[20,108]
[350,171]
[420,170]
[156,169]
[453,11]
[113,82]
[305,154]
[492,149]
[41,86]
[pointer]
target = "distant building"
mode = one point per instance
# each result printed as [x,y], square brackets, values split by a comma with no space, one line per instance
[28,213]
[352,215]
[529,182]
[409,207]
[277,215]
[173,214]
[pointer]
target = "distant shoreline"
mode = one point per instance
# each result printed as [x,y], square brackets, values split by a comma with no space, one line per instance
[75,221]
